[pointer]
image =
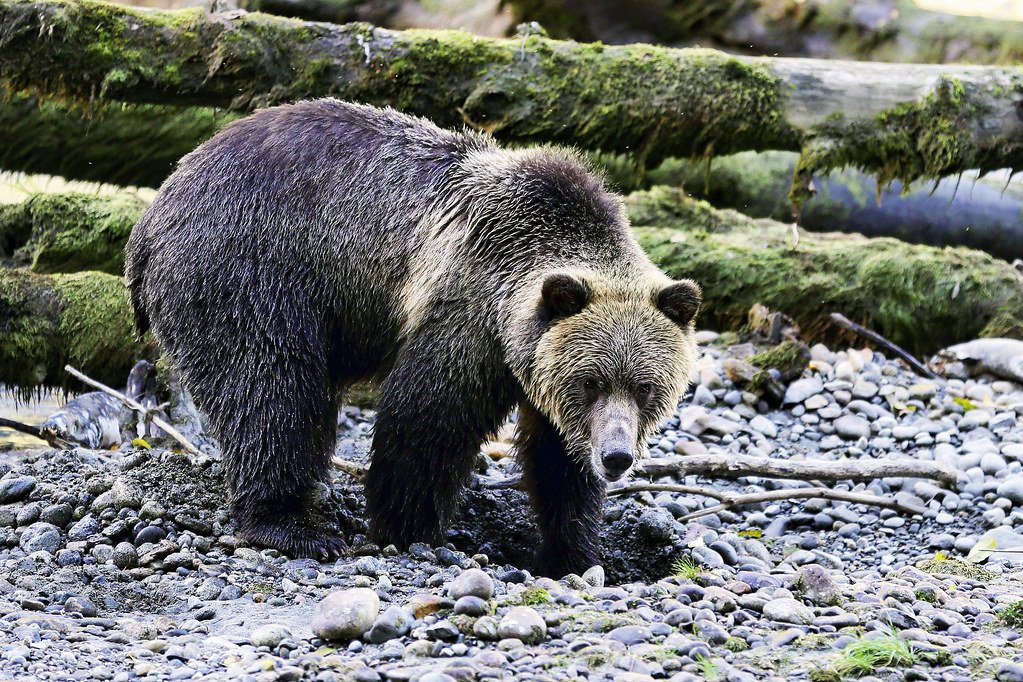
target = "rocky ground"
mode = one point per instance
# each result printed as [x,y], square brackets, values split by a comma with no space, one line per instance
[125,565]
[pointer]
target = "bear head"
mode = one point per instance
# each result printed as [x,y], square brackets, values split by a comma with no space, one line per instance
[612,360]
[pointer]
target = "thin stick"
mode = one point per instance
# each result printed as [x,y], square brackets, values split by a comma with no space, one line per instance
[918,367]
[135,405]
[739,466]
[668,488]
[734,500]
[356,471]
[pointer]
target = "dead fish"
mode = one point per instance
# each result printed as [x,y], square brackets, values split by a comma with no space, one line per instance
[97,420]
[1001,357]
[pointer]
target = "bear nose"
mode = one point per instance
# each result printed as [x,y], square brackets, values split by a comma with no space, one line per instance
[616,462]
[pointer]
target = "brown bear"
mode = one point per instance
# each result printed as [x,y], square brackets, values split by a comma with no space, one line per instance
[312,245]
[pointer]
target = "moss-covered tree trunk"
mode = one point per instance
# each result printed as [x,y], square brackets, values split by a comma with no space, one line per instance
[134,145]
[902,122]
[981,213]
[920,297]
[880,30]
[47,321]
[334,11]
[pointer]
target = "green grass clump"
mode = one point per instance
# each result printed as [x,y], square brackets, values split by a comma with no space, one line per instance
[865,656]
[1012,615]
[685,567]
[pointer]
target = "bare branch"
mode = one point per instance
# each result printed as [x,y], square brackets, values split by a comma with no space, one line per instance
[145,412]
[918,367]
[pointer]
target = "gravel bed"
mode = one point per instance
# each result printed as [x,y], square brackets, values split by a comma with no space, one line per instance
[125,565]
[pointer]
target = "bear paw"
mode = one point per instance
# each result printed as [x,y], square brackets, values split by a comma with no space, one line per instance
[296,537]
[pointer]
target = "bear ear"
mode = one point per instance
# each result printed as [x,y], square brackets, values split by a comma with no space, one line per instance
[563,295]
[679,301]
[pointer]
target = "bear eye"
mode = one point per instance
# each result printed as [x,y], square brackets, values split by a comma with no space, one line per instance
[591,387]
[643,393]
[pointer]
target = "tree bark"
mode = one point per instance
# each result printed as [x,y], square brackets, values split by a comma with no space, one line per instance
[980,213]
[901,122]
[48,321]
[131,145]
[880,30]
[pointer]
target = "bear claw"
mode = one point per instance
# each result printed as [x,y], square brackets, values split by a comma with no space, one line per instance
[297,539]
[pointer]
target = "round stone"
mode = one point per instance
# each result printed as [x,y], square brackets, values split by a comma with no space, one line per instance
[150,534]
[788,610]
[594,575]
[852,427]
[269,635]
[522,623]
[471,606]
[394,622]
[40,537]
[346,614]
[125,555]
[471,582]
[15,489]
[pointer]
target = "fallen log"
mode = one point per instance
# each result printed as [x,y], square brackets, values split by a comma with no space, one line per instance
[882,30]
[69,232]
[899,121]
[921,298]
[47,321]
[130,145]
[334,11]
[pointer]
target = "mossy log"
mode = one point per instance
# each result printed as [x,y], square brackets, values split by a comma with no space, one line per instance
[47,321]
[899,121]
[920,297]
[132,145]
[69,232]
[981,213]
[881,30]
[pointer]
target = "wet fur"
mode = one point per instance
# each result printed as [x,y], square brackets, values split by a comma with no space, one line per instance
[313,245]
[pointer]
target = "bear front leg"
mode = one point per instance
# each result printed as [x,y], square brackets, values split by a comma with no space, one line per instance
[437,406]
[567,495]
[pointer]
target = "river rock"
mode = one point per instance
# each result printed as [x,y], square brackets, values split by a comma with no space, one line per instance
[346,614]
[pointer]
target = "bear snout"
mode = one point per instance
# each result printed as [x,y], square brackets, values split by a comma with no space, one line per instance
[616,462]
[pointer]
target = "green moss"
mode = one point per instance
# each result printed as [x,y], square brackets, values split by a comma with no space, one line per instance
[534,596]
[736,644]
[922,298]
[788,357]
[72,231]
[929,138]
[957,567]
[82,319]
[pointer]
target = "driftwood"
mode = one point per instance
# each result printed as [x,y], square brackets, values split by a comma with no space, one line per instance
[918,367]
[732,466]
[729,500]
[146,413]
[899,121]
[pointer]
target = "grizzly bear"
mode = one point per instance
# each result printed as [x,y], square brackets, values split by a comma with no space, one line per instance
[313,245]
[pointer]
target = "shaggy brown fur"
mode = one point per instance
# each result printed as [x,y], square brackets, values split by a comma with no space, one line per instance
[312,245]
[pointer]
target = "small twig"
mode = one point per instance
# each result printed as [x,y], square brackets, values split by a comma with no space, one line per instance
[668,488]
[145,412]
[730,466]
[918,367]
[356,471]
